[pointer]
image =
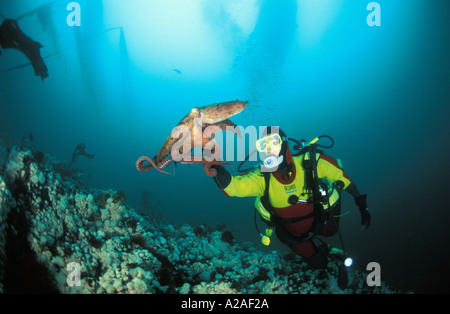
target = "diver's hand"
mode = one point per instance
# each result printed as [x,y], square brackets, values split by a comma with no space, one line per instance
[361,202]
[223,177]
[215,168]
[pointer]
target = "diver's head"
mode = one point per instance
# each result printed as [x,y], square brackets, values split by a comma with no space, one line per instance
[274,144]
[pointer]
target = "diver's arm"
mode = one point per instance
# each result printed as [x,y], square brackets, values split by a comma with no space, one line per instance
[361,202]
[223,177]
[353,190]
[249,184]
[328,168]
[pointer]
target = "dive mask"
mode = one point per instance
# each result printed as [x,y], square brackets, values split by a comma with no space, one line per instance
[269,143]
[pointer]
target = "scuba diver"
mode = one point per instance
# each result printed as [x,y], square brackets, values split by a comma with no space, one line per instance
[80,150]
[297,195]
[11,36]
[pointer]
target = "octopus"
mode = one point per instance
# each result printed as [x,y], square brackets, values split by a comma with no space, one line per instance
[196,130]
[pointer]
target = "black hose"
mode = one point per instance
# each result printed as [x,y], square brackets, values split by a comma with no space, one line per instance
[327,136]
[242,163]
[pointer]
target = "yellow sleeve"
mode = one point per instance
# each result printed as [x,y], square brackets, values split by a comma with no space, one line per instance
[328,168]
[249,184]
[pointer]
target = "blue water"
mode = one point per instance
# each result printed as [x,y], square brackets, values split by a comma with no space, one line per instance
[130,72]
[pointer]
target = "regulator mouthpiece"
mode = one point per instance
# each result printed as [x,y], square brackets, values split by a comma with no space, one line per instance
[272,162]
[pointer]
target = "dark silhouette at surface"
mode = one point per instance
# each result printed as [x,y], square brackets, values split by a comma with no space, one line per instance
[11,36]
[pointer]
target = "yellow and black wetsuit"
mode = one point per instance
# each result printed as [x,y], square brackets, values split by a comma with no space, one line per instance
[281,187]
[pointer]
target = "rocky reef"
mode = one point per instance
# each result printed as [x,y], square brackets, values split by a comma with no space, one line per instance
[50,224]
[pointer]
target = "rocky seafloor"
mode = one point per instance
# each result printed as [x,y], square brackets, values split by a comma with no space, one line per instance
[49,220]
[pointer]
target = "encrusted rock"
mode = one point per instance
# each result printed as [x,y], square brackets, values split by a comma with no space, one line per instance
[90,241]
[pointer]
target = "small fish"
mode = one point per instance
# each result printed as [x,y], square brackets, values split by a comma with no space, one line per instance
[177,71]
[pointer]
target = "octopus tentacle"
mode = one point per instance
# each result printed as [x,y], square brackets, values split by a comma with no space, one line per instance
[140,165]
[163,164]
[207,164]
[210,171]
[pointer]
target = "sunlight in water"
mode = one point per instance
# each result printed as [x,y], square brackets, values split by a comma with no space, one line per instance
[314,17]
[172,34]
